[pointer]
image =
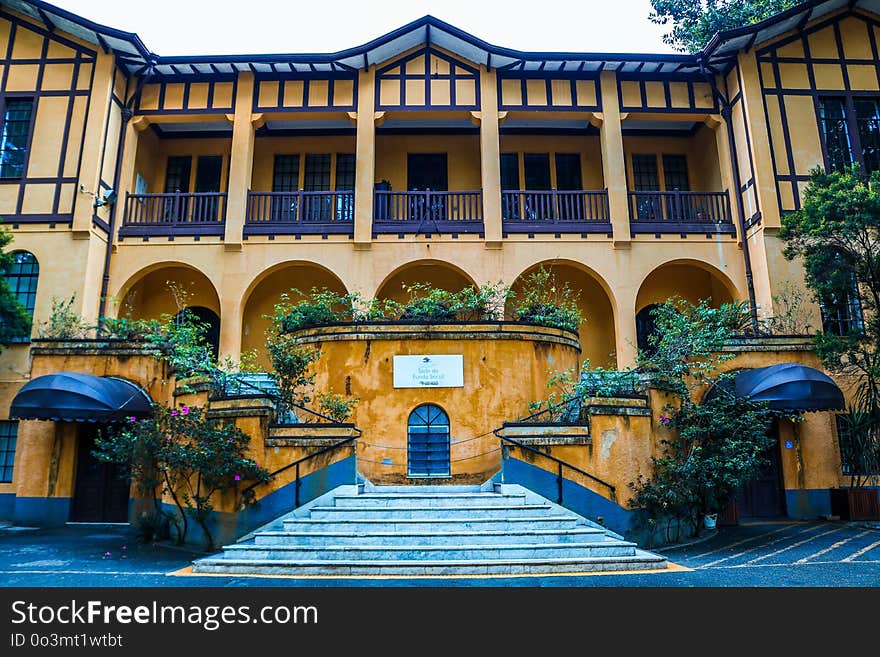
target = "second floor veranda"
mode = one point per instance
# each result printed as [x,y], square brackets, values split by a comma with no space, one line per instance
[431,177]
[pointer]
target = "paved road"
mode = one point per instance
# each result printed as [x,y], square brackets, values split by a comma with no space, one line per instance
[778,553]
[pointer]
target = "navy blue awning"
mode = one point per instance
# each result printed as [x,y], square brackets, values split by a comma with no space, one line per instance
[785,387]
[73,396]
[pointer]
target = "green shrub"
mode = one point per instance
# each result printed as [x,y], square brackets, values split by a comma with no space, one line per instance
[545,301]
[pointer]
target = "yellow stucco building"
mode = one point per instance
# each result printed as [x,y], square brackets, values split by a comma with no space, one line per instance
[426,155]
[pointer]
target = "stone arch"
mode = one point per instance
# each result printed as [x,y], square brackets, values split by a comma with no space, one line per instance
[266,289]
[163,289]
[597,304]
[438,273]
[692,280]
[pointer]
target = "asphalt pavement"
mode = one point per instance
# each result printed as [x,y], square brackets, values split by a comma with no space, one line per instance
[782,553]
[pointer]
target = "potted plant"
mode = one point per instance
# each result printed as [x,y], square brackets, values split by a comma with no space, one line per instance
[859,434]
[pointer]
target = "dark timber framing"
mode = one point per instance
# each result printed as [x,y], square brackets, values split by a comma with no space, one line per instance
[768,56]
[82,59]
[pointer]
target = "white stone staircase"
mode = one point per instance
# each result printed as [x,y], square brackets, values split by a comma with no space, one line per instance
[430,530]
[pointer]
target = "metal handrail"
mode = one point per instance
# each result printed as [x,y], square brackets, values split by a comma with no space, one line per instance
[560,464]
[296,464]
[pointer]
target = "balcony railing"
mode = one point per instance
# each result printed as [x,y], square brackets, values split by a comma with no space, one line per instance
[177,213]
[428,212]
[296,213]
[554,211]
[680,212]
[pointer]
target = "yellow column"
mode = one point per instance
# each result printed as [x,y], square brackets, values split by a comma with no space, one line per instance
[625,326]
[365,172]
[613,160]
[490,158]
[93,147]
[241,162]
[230,326]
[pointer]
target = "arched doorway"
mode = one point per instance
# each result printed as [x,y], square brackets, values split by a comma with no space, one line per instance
[439,275]
[646,326]
[428,442]
[211,321]
[597,332]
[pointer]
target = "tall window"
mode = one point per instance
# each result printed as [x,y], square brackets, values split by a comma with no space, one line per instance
[345,172]
[867,112]
[843,316]
[14,139]
[510,171]
[22,278]
[8,438]
[285,177]
[675,173]
[536,167]
[850,129]
[645,176]
[646,179]
[568,171]
[317,177]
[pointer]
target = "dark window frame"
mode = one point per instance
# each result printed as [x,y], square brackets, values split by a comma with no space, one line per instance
[5,101]
[676,171]
[19,273]
[853,127]
[8,437]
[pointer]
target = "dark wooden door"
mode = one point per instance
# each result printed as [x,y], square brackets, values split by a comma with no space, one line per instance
[209,173]
[101,490]
[764,496]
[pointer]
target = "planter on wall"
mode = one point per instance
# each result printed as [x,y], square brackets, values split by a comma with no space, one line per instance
[855,503]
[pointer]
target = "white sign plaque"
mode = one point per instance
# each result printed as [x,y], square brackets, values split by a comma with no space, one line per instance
[429,371]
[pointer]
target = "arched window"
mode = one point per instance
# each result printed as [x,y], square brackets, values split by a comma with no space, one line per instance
[22,278]
[210,319]
[645,326]
[428,442]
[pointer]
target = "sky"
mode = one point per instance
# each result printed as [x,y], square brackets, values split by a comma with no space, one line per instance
[202,27]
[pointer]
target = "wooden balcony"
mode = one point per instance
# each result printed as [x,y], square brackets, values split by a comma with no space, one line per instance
[428,212]
[680,212]
[580,211]
[178,213]
[299,213]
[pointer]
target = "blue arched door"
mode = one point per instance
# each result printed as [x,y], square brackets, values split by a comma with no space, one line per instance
[428,442]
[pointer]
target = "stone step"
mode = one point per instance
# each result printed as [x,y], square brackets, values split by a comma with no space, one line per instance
[426,488]
[428,552]
[473,537]
[428,499]
[342,513]
[430,524]
[639,561]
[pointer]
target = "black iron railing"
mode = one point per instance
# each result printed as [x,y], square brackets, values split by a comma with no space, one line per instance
[561,466]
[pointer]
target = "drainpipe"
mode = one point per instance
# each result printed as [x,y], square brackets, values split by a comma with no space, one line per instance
[726,112]
[127,113]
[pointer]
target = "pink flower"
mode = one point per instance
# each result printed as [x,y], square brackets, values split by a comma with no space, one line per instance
[108,554]
[237,477]
[664,420]
[132,419]
[174,413]
[184,409]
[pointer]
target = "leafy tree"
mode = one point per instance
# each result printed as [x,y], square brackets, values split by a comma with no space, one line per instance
[693,24]
[186,454]
[714,445]
[15,321]
[837,234]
